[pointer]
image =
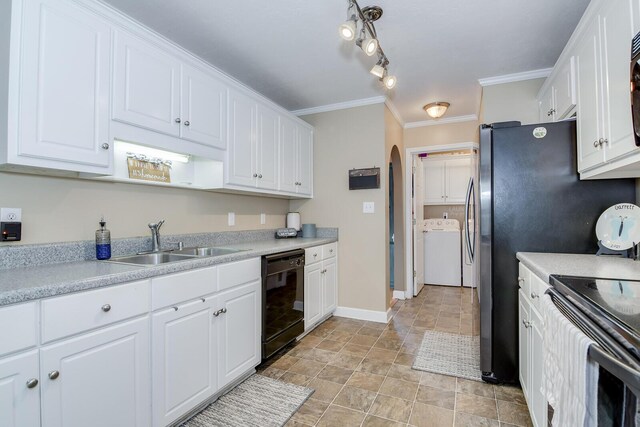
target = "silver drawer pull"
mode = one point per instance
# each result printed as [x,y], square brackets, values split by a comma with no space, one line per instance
[330,251]
[534,295]
[32,383]
[53,375]
[105,146]
[315,255]
[106,307]
[217,313]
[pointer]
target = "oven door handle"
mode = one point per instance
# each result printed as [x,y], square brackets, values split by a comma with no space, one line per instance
[624,372]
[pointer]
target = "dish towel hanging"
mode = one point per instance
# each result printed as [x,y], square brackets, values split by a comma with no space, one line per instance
[571,379]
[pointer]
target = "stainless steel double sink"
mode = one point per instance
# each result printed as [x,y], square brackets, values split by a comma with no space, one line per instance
[165,257]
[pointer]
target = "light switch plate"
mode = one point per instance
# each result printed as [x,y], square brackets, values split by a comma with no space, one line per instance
[11,214]
[232,219]
[368,207]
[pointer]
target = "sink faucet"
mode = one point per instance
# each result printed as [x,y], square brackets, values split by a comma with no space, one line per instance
[155,235]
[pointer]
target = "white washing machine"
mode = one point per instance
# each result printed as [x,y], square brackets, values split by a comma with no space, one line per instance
[442,252]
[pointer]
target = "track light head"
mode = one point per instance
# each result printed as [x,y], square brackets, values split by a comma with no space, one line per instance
[389,81]
[368,45]
[347,29]
[378,71]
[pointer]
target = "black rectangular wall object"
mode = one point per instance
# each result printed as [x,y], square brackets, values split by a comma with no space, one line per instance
[363,179]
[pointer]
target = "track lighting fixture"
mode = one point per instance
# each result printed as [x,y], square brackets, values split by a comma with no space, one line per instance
[368,38]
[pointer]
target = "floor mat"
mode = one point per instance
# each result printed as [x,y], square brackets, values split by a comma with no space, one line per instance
[449,354]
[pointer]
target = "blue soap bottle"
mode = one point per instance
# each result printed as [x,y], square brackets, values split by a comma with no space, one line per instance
[103,241]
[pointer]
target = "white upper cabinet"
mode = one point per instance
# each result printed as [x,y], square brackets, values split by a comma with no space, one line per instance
[242,151]
[296,157]
[146,85]
[446,180]
[268,142]
[557,97]
[63,74]
[203,110]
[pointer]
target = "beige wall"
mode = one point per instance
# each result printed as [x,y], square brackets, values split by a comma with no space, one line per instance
[64,209]
[450,133]
[453,211]
[343,140]
[511,101]
[394,138]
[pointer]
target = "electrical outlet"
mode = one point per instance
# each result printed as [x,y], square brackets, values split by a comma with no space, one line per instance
[445,215]
[11,214]
[263,219]
[232,219]
[368,207]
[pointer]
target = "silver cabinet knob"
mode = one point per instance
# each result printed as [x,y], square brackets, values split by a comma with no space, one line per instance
[187,123]
[53,375]
[520,279]
[178,120]
[596,144]
[330,251]
[315,255]
[549,113]
[224,310]
[605,141]
[534,295]
[105,146]
[255,175]
[217,313]
[260,176]
[106,307]
[31,383]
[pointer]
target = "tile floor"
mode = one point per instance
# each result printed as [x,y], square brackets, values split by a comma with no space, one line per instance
[362,376]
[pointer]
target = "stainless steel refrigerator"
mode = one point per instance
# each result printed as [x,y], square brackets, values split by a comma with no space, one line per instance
[531,200]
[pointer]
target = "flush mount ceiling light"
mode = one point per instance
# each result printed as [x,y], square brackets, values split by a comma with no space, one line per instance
[367,39]
[436,109]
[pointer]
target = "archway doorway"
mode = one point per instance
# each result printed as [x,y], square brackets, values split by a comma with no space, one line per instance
[396,226]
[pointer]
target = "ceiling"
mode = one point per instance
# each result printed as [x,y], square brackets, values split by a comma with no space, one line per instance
[290,51]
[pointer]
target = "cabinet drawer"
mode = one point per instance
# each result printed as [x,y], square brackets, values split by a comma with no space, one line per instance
[329,251]
[19,327]
[179,287]
[524,279]
[72,314]
[312,255]
[237,273]
[537,289]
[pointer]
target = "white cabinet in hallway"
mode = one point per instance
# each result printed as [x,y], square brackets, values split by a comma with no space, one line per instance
[62,112]
[320,283]
[20,390]
[446,179]
[101,378]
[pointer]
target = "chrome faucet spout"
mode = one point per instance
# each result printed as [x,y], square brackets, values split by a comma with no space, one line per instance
[155,235]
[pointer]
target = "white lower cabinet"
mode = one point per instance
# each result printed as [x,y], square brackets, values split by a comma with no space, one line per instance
[183,359]
[101,378]
[320,283]
[20,390]
[239,332]
[531,346]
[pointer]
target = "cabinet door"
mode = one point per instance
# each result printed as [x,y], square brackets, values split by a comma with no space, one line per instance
[589,123]
[103,378]
[203,112]
[241,152]
[537,399]
[64,87]
[305,161]
[268,144]
[312,294]
[183,360]
[565,89]
[146,85]
[19,404]
[458,172]
[523,343]
[239,331]
[547,113]
[617,33]
[329,286]
[434,193]
[288,156]
[635,16]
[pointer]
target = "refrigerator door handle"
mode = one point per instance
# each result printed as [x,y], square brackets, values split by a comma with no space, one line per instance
[466,221]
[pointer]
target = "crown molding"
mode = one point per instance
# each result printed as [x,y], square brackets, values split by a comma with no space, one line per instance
[340,106]
[516,77]
[446,120]
[391,106]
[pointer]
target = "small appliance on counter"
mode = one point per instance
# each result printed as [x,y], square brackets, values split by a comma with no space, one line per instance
[309,231]
[293,220]
[286,233]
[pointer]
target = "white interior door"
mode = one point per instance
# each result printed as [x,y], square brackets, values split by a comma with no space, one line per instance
[418,216]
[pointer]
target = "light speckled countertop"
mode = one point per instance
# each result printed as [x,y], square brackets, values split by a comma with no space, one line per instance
[605,267]
[29,283]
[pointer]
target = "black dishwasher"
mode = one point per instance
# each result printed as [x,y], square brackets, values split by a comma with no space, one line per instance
[282,300]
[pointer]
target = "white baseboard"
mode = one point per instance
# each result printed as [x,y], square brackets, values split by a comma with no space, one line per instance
[399,295]
[361,314]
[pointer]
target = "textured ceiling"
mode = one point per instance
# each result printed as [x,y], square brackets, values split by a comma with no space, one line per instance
[290,51]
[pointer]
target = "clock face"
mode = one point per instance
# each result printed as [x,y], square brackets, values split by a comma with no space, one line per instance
[618,228]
